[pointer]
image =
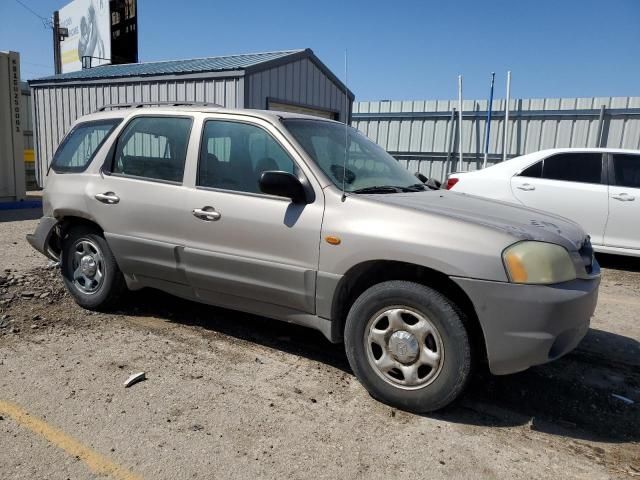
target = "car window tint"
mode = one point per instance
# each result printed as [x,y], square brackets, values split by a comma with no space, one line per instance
[76,151]
[154,148]
[534,171]
[627,170]
[233,155]
[573,167]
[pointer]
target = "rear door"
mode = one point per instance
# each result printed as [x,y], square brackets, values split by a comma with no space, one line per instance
[139,200]
[572,185]
[623,227]
[251,249]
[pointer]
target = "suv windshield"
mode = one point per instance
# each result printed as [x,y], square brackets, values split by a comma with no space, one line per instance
[369,169]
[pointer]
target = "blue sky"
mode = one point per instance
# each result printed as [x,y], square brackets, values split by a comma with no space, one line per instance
[397,49]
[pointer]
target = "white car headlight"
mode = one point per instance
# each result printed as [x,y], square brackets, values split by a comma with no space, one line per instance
[538,262]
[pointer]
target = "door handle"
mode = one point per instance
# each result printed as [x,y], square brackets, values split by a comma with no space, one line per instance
[624,197]
[207,214]
[109,198]
[526,187]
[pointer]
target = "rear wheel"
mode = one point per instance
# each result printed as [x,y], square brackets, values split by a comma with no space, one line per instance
[408,346]
[89,269]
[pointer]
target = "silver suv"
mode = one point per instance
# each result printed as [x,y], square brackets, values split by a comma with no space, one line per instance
[306,220]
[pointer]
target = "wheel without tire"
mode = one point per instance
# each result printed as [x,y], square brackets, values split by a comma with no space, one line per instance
[408,346]
[89,269]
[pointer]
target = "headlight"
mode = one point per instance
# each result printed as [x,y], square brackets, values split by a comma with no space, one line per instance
[538,262]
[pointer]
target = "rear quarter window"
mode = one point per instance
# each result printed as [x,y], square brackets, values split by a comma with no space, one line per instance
[79,147]
[533,171]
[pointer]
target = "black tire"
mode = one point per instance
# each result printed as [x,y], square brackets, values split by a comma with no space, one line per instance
[454,370]
[112,285]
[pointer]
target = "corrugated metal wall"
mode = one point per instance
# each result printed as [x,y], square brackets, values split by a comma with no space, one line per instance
[56,107]
[27,135]
[422,135]
[300,82]
[27,121]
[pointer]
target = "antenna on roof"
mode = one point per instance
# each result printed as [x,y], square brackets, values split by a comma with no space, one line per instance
[346,129]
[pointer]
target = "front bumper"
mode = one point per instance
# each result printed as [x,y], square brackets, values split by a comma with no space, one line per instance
[526,325]
[40,238]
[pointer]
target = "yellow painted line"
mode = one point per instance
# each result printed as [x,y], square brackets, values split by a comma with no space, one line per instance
[96,462]
[29,155]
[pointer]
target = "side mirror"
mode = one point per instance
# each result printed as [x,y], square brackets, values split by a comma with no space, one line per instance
[421,177]
[283,184]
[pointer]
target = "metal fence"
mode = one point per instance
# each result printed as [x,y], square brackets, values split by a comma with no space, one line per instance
[27,135]
[423,135]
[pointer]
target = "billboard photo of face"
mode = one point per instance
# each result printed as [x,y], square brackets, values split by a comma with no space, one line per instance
[88,22]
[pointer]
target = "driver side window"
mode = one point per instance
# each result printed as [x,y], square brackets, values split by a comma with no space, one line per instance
[233,156]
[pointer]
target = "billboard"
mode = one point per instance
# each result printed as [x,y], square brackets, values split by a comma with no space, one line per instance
[89,25]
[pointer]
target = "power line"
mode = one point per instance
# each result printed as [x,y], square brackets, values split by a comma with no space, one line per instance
[45,21]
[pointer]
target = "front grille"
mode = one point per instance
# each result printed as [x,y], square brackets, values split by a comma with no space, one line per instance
[586,252]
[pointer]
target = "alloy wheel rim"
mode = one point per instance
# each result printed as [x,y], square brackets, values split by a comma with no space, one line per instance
[88,266]
[404,347]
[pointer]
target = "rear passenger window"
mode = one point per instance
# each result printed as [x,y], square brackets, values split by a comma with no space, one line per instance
[627,170]
[78,148]
[233,156]
[574,167]
[153,148]
[534,171]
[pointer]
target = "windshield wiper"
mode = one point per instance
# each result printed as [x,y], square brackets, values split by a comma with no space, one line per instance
[390,189]
[379,189]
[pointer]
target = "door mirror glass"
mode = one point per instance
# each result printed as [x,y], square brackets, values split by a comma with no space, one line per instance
[283,184]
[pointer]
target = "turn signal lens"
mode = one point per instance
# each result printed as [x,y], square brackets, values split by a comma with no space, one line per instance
[539,263]
[332,240]
[515,268]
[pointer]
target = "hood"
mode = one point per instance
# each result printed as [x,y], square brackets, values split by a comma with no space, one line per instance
[520,222]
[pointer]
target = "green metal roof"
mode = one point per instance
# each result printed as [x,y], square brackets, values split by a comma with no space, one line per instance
[175,67]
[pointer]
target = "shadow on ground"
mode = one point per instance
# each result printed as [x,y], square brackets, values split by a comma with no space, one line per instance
[618,262]
[569,397]
[15,215]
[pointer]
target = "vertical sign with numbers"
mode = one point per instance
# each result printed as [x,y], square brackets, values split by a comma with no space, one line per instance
[12,186]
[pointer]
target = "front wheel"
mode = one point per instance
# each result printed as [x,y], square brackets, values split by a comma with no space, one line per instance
[408,346]
[89,269]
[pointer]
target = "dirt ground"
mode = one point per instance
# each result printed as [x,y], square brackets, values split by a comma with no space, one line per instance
[230,395]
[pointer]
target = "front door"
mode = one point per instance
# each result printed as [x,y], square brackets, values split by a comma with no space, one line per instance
[623,228]
[246,248]
[140,199]
[571,185]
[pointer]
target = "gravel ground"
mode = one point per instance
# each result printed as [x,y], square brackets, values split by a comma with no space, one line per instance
[233,395]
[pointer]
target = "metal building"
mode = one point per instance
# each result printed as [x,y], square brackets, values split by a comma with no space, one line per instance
[27,137]
[423,135]
[293,80]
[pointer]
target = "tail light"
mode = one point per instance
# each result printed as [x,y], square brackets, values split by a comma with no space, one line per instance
[451,182]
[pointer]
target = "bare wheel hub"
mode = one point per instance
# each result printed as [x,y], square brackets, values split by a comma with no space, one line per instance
[88,266]
[404,347]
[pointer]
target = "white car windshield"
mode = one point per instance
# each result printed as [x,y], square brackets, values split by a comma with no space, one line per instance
[368,168]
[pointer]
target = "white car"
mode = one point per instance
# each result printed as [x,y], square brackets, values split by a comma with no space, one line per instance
[595,187]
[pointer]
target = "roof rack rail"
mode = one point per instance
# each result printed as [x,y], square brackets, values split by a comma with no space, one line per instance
[157,104]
